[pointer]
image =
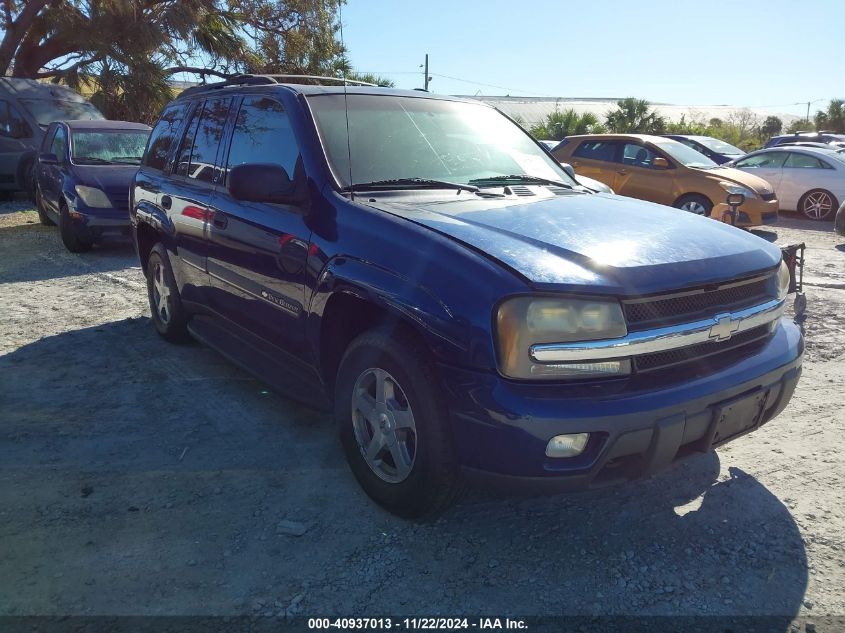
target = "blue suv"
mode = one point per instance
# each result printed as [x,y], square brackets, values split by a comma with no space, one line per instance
[422,267]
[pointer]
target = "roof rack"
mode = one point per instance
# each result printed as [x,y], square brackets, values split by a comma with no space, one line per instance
[259,80]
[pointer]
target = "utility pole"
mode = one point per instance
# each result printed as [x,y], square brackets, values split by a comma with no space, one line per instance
[808,111]
[427,78]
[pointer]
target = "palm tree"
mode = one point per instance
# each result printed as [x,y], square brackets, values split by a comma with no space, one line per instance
[635,116]
[558,125]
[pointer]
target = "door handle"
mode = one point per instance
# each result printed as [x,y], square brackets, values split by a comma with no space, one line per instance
[220,220]
[622,172]
[166,202]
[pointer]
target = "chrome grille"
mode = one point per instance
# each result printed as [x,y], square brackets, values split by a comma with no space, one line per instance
[642,314]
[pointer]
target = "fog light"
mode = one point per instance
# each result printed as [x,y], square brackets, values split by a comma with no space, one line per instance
[567,445]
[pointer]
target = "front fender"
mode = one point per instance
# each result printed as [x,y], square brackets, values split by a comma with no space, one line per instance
[447,336]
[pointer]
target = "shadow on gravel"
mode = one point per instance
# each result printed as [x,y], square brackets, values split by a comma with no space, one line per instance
[140,477]
[112,254]
[769,236]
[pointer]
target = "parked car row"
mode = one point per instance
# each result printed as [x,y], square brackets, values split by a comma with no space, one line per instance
[27,107]
[696,173]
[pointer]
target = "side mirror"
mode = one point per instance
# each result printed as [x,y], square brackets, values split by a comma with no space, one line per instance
[570,171]
[660,163]
[48,158]
[262,182]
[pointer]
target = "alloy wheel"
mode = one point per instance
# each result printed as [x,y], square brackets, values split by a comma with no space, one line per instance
[384,425]
[818,205]
[694,207]
[161,294]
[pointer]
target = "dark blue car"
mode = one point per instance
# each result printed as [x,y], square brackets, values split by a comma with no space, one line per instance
[83,176]
[420,266]
[714,149]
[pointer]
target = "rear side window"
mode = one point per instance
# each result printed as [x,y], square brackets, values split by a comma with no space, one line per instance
[198,153]
[163,135]
[12,123]
[263,134]
[597,150]
[803,161]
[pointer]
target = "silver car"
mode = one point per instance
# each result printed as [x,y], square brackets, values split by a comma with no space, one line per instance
[806,179]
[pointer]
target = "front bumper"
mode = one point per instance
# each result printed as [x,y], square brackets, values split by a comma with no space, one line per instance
[501,428]
[97,222]
[754,212]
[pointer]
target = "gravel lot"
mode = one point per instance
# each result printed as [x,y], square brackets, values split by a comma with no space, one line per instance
[137,477]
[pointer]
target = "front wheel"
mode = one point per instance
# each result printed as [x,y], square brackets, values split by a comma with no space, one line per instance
[694,203]
[71,237]
[817,204]
[168,314]
[393,425]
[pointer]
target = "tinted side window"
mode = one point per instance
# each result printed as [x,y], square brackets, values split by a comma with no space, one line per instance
[163,135]
[207,139]
[597,150]
[59,144]
[11,122]
[183,156]
[803,161]
[263,134]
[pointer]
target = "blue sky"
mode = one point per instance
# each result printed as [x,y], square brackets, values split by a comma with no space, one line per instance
[747,53]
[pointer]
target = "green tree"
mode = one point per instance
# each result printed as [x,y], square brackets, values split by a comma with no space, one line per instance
[683,126]
[558,125]
[635,116]
[124,51]
[772,126]
[800,125]
[832,119]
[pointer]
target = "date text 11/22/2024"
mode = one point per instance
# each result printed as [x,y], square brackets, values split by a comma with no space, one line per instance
[439,623]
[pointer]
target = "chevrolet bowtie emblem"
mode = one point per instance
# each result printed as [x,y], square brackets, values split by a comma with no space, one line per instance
[724,327]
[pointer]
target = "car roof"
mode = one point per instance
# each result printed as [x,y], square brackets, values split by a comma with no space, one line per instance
[801,149]
[102,124]
[32,89]
[312,90]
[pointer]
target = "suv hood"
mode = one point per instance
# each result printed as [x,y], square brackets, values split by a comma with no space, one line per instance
[105,176]
[592,243]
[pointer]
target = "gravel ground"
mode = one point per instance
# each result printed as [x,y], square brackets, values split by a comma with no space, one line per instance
[137,477]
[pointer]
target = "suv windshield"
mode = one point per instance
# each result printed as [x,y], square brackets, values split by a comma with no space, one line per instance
[719,146]
[46,111]
[399,138]
[685,155]
[118,146]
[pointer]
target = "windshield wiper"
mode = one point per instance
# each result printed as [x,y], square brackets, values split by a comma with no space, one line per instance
[92,159]
[522,178]
[409,183]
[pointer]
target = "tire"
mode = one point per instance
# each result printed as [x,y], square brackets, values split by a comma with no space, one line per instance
[817,204]
[168,314]
[412,471]
[70,234]
[42,212]
[694,203]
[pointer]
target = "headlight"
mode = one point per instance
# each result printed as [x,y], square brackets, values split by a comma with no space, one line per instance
[783,280]
[93,197]
[525,321]
[732,187]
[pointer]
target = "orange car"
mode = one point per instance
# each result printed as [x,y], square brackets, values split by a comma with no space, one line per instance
[662,170]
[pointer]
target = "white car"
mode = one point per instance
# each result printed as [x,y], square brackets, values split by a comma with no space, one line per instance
[806,179]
